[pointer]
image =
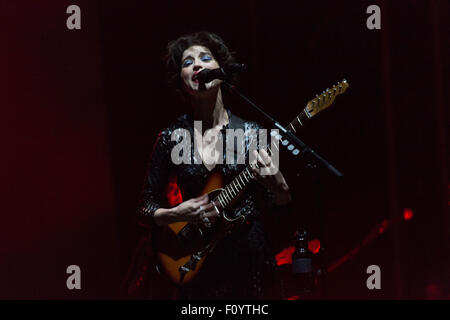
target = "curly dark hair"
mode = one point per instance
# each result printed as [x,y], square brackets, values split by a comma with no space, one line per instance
[176,48]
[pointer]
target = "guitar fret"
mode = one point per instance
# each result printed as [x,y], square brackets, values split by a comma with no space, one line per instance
[220,201]
[234,185]
[230,187]
[227,196]
[225,201]
[230,190]
[245,176]
[306,112]
[298,119]
[234,188]
[237,181]
[242,180]
[224,197]
[293,128]
[249,174]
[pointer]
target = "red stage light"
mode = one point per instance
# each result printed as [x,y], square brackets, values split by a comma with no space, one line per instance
[314,246]
[284,256]
[407,214]
[173,192]
[383,226]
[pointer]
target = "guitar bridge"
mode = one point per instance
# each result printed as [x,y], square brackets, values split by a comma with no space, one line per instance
[190,265]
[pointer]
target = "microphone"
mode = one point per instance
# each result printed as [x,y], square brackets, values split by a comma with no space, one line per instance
[224,73]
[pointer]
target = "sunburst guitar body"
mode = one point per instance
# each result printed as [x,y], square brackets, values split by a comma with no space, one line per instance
[178,242]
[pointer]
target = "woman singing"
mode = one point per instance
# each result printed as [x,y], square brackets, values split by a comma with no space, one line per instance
[242,265]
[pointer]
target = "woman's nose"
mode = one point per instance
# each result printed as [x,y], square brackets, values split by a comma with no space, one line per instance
[197,66]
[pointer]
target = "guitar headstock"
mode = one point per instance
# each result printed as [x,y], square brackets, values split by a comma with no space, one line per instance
[325,99]
[313,107]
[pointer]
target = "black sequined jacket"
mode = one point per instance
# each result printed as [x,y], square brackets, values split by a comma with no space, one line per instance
[242,265]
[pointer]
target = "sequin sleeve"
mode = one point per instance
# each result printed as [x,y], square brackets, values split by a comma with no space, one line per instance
[156,178]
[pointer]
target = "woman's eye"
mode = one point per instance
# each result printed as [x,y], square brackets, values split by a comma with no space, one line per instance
[206,58]
[187,62]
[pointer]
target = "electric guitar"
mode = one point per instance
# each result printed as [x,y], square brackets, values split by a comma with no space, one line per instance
[182,247]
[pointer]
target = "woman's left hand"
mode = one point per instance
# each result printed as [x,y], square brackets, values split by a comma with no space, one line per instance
[270,177]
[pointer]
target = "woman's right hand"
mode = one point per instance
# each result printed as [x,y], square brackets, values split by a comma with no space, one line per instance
[195,210]
[190,210]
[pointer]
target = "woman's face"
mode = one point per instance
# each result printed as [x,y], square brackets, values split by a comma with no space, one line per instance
[195,59]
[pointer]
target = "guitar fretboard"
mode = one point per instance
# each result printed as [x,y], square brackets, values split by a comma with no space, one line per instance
[243,179]
[299,120]
[233,189]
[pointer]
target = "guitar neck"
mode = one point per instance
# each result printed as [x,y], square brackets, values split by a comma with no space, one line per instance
[318,104]
[238,184]
[313,107]
[299,120]
[235,187]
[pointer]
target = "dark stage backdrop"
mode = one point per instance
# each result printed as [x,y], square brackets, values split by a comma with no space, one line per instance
[82,109]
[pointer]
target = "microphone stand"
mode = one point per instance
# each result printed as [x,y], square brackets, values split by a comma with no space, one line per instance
[320,272]
[305,149]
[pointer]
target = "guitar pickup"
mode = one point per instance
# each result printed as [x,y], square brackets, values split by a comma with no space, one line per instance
[187,233]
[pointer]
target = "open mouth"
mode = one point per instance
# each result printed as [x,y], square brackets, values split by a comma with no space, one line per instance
[193,76]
